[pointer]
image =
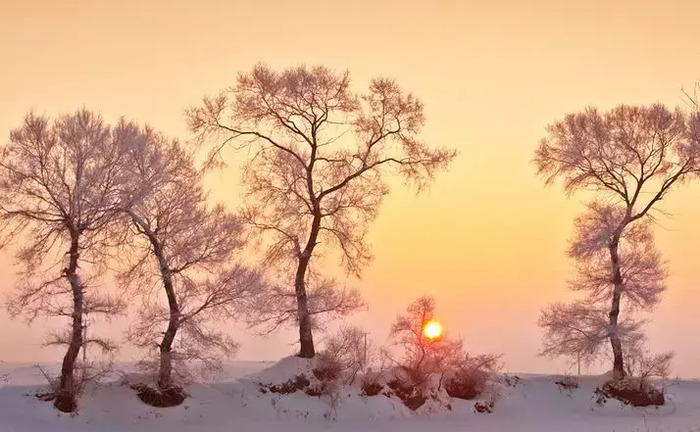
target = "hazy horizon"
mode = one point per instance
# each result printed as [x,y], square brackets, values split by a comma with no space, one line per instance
[487,239]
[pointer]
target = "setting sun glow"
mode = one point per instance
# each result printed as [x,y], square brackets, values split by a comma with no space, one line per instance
[432,330]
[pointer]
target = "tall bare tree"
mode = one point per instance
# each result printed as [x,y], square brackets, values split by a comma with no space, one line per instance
[184,250]
[321,156]
[631,156]
[60,184]
[579,330]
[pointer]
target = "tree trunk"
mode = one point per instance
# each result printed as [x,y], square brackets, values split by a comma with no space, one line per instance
[165,366]
[165,379]
[618,364]
[66,392]
[306,339]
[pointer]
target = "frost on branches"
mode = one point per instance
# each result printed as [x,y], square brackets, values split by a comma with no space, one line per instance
[631,157]
[321,155]
[61,183]
[181,262]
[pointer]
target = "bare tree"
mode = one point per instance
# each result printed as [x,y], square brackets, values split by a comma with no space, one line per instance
[60,184]
[423,356]
[321,154]
[632,156]
[187,249]
[578,330]
[407,331]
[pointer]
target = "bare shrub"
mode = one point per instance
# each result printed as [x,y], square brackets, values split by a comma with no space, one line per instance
[298,383]
[646,371]
[645,365]
[484,407]
[442,357]
[422,356]
[411,393]
[371,387]
[159,397]
[567,383]
[472,376]
[349,351]
[630,391]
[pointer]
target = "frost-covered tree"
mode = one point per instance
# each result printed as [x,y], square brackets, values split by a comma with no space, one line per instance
[423,356]
[182,261]
[420,352]
[321,155]
[631,156]
[61,182]
[580,329]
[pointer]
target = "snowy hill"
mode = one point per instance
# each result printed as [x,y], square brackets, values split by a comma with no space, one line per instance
[234,401]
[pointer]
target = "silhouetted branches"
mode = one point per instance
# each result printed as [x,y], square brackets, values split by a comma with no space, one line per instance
[321,154]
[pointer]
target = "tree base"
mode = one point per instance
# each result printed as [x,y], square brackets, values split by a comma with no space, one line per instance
[161,398]
[65,402]
[629,392]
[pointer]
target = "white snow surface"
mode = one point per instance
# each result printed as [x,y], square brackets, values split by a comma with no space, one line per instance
[232,401]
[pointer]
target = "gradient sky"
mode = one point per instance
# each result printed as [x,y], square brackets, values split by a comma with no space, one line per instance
[487,239]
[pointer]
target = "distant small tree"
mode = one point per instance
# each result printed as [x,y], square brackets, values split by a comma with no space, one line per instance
[632,156]
[61,182]
[423,356]
[186,248]
[420,352]
[321,156]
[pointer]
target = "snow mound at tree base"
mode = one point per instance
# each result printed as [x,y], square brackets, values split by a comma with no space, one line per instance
[631,391]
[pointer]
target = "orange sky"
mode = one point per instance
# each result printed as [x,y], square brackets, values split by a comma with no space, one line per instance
[487,239]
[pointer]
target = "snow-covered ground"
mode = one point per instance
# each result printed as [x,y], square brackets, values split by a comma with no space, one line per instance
[233,402]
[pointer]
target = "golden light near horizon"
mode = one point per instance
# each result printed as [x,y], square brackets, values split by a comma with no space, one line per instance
[432,329]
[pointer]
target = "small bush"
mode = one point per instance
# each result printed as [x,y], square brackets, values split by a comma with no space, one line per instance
[314,390]
[371,388]
[410,394]
[299,382]
[483,407]
[472,376]
[466,383]
[172,396]
[327,370]
[346,354]
[568,383]
[45,396]
[510,380]
[630,391]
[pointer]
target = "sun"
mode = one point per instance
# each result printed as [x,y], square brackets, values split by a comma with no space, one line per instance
[432,329]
